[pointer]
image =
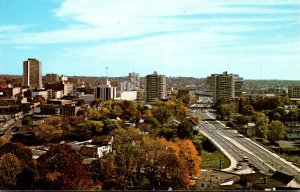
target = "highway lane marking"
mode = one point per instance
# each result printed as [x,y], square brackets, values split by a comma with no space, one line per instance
[241,147]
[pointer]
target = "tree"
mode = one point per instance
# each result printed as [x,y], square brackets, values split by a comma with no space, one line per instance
[110,125]
[261,125]
[190,154]
[93,114]
[103,171]
[25,179]
[129,109]
[26,121]
[144,162]
[61,169]
[181,112]
[185,130]
[292,115]
[95,127]
[23,154]
[240,120]
[10,167]
[162,114]
[248,110]
[224,111]
[277,131]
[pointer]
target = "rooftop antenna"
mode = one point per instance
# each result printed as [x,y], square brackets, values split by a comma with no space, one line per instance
[106,75]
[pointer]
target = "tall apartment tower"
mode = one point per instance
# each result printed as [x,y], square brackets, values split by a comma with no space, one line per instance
[156,87]
[32,73]
[225,86]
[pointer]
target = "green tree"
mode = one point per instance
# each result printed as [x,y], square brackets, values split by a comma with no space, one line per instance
[240,120]
[185,130]
[224,111]
[110,125]
[248,110]
[162,114]
[93,114]
[277,131]
[27,121]
[292,115]
[261,125]
[95,127]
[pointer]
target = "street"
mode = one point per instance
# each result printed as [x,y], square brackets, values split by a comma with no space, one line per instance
[238,146]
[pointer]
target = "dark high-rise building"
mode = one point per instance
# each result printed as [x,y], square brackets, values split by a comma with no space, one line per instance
[32,73]
[156,87]
[105,92]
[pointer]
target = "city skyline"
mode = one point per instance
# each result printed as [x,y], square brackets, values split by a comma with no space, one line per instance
[257,40]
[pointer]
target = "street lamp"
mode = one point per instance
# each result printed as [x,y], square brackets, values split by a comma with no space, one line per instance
[221,163]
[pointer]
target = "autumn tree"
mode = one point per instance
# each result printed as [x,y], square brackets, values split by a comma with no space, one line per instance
[104,171]
[19,150]
[141,161]
[61,169]
[10,167]
[25,179]
[190,154]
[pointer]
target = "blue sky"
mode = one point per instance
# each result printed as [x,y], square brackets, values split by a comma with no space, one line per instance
[256,39]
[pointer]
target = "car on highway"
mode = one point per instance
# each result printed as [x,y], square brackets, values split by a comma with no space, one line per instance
[237,168]
[245,159]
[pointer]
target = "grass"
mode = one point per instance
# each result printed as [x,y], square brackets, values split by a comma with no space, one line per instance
[212,160]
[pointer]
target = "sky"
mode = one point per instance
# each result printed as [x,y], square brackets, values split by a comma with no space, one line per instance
[255,39]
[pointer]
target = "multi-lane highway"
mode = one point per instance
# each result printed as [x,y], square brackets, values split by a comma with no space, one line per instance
[238,146]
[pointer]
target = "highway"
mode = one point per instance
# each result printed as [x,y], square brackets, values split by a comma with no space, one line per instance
[6,129]
[238,146]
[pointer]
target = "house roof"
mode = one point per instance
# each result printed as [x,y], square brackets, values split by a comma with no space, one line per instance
[282,177]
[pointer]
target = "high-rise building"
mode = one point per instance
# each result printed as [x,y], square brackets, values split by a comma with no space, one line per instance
[134,80]
[132,84]
[294,91]
[156,87]
[52,78]
[105,92]
[32,73]
[225,85]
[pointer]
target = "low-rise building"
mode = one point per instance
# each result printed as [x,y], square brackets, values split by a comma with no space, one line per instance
[69,110]
[94,148]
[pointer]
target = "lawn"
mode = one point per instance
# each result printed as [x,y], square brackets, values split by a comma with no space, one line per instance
[212,160]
